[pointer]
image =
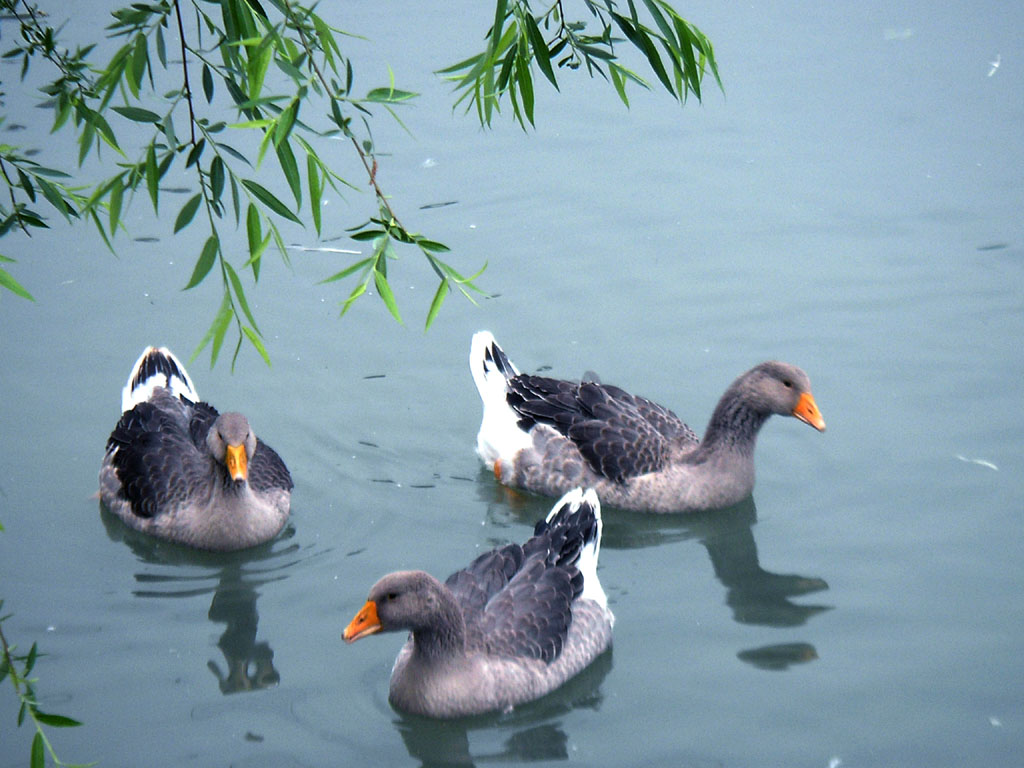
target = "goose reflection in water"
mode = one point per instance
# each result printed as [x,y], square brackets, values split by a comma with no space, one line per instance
[755,596]
[234,579]
[533,732]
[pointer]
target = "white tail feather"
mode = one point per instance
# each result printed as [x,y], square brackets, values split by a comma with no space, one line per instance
[500,436]
[591,551]
[156,368]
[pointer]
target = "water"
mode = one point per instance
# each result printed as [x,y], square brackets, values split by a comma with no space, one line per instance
[852,205]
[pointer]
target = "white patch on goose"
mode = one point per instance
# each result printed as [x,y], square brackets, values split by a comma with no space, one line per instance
[589,554]
[500,436]
[172,375]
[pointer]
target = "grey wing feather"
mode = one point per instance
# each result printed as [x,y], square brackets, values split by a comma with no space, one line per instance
[267,470]
[618,434]
[154,458]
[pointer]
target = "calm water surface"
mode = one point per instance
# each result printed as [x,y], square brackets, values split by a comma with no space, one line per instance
[852,204]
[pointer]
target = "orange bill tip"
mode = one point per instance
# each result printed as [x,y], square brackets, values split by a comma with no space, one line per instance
[237,462]
[807,411]
[365,623]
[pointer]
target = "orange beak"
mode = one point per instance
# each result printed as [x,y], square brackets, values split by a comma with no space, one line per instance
[365,623]
[807,411]
[237,462]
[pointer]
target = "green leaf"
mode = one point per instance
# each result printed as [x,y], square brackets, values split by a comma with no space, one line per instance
[26,185]
[187,212]
[432,245]
[195,153]
[283,128]
[216,177]
[116,201]
[257,342]
[140,59]
[435,306]
[12,285]
[55,721]
[30,660]
[358,291]
[55,198]
[208,83]
[381,281]
[253,230]
[351,269]
[259,60]
[137,114]
[152,177]
[540,48]
[368,234]
[264,196]
[389,95]
[239,293]
[205,262]
[161,48]
[315,191]
[37,755]
[286,158]
[220,326]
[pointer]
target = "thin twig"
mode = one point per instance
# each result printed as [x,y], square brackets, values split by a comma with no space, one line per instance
[371,168]
[184,69]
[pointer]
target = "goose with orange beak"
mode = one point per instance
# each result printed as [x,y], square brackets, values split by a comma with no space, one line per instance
[515,624]
[177,469]
[548,435]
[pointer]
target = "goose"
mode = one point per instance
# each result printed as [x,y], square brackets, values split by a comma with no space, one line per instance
[514,625]
[177,469]
[546,435]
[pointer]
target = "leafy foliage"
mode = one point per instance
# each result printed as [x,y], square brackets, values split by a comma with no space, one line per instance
[677,52]
[279,70]
[18,668]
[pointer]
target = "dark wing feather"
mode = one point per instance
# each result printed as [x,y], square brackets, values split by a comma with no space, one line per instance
[517,601]
[201,417]
[618,434]
[531,616]
[267,470]
[154,458]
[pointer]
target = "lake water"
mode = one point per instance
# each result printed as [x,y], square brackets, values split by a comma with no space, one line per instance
[852,204]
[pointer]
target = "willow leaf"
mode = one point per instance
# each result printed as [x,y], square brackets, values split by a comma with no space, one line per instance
[13,285]
[435,306]
[205,262]
[37,756]
[315,190]
[540,48]
[267,198]
[386,294]
[187,212]
[257,342]
[349,270]
[286,158]
[236,283]
[55,721]
[137,114]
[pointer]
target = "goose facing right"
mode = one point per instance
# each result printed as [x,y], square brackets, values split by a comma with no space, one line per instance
[515,624]
[547,435]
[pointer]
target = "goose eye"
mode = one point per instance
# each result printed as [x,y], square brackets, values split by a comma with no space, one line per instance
[391,596]
[787,383]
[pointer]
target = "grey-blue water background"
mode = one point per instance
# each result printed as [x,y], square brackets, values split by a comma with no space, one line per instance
[853,204]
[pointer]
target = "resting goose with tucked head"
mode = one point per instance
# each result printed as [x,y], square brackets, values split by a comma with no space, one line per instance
[177,469]
[512,626]
[547,435]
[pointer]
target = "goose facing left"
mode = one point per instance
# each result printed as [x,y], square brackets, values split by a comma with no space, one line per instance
[514,625]
[177,469]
